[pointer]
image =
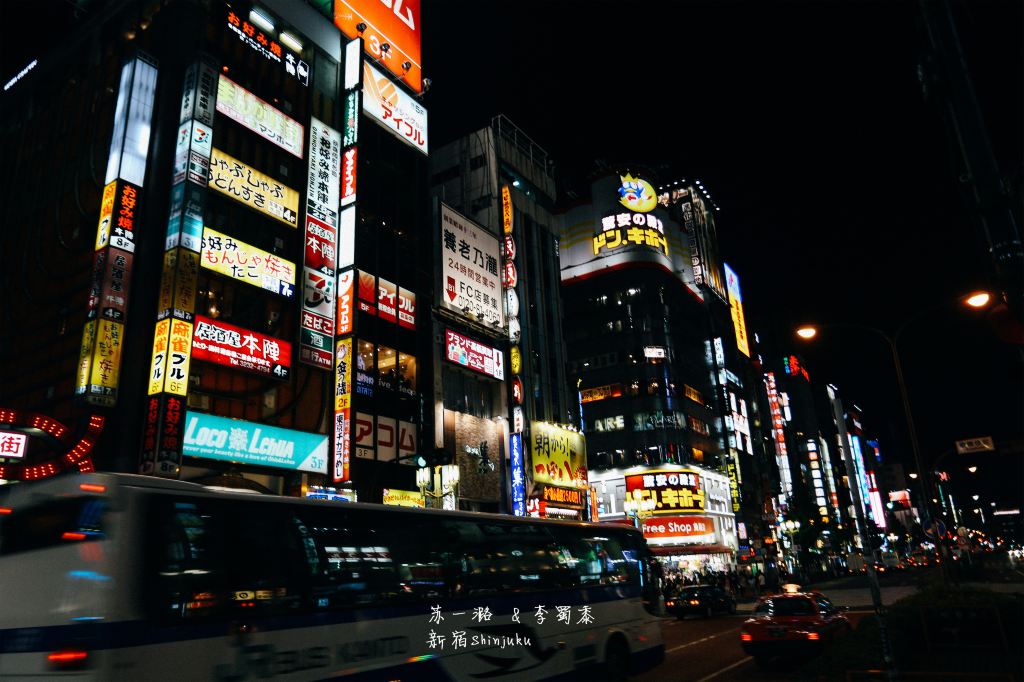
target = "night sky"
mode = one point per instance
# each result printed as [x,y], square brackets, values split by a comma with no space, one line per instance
[807,123]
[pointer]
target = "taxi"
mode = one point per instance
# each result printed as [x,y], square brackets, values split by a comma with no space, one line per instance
[793,624]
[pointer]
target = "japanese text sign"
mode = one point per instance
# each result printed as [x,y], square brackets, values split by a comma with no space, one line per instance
[398,112]
[242,106]
[246,263]
[672,491]
[470,273]
[254,189]
[226,344]
[558,456]
[474,355]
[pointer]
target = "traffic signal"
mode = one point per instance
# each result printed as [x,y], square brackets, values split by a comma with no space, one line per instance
[428,458]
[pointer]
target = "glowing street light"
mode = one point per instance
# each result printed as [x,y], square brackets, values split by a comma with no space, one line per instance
[912,474]
[979,299]
[972,469]
[807,332]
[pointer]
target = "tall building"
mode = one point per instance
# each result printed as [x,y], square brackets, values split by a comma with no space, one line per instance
[229,308]
[642,355]
[503,182]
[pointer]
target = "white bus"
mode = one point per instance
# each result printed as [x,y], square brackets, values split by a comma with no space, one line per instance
[120,577]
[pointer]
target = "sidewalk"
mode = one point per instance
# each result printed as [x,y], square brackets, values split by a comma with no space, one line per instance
[860,597]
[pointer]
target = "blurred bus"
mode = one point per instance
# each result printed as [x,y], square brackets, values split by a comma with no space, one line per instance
[121,577]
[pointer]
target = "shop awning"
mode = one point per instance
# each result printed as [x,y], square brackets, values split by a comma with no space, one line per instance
[669,550]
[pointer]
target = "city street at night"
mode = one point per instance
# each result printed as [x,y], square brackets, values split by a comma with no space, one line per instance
[544,339]
[698,650]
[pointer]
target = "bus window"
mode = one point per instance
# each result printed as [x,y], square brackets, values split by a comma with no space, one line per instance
[184,577]
[267,568]
[353,563]
[51,524]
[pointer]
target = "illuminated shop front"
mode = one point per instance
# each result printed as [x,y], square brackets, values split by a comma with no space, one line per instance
[685,512]
[273,273]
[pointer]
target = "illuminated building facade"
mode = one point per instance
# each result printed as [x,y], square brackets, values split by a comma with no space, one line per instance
[241,248]
[641,346]
[503,182]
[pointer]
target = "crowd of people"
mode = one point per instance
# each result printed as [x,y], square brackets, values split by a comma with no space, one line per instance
[743,584]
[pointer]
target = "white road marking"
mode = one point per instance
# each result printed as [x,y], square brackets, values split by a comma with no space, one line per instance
[726,669]
[698,641]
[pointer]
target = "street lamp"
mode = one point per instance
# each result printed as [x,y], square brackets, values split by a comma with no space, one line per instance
[979,299]
[445,480]
[791,528]
[807,332]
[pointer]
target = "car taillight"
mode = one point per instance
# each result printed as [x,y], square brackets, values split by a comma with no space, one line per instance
[670,603]
[813,635]
[695,601]
[745,637]
[69,659]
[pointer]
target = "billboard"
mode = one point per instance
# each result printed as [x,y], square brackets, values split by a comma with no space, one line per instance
[245,263]
[398,112]
[242,106]
[225,344]
[259,192]
[732,287]
[621,227]
[476,356]
[687,529]
[557,456]
[673,491]
[234,440]
[470,276]
[395,23]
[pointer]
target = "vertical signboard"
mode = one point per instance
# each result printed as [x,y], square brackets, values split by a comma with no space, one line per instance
[342,146]
[99,363]
[732,286]
[320,263]
[163,420]
[515,448]
[342,408]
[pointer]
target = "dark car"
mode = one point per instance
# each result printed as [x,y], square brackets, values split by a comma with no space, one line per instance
[700,600]
[793,625]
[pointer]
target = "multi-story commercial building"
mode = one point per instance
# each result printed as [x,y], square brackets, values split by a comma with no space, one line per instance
[504,183]
[211,297]
[642,354]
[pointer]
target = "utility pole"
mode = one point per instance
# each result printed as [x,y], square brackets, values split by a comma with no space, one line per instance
[946,74]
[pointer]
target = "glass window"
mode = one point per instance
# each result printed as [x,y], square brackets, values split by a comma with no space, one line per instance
[792,606]
[407,374]
[365,367]
[387,370]
[54,523]
[185,580]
